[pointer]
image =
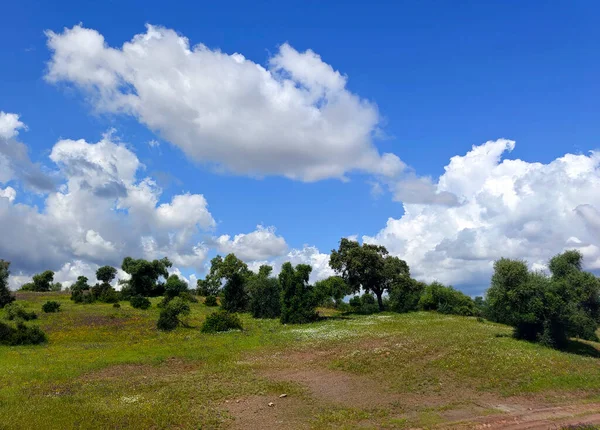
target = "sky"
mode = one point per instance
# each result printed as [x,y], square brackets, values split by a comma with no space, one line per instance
[453,133]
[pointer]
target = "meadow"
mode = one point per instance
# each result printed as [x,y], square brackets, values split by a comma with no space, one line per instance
[107,367]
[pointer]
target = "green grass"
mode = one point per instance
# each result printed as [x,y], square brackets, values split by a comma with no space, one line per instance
[105,367]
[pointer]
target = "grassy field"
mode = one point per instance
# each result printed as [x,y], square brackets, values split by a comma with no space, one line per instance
[110,368]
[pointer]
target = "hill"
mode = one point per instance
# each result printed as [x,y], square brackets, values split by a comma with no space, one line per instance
[107,367]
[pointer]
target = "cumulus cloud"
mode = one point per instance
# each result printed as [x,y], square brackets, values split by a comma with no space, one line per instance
[295,117]
[83,225]
[509,208]
[261,244]
[15,163]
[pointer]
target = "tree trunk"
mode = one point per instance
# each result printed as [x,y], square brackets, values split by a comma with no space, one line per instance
[380,300]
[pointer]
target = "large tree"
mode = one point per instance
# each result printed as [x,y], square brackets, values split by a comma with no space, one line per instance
[6,296]
[106,274]
[210,285]
[145,275]
[235,273]
[265,294]
[369,267]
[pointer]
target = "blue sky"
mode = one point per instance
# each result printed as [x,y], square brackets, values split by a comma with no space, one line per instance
[443,76]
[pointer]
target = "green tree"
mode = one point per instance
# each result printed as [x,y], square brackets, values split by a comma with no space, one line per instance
[332,288]
[210,285]
[42,282]
[145,275]
[106,274]
[368,267]
[549,309]
[446,300]
[405,295]
[298,301]
[235,273]
[80,289]
[169,318]
[175,287]
[265,294]
[6,296]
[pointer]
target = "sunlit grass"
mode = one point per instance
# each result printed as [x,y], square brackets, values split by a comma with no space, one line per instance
[107,367]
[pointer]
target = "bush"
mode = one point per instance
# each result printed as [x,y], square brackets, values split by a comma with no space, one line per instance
[16,311]
[221,321]
[105,293]
[446,300]
[211,301]
[51,306]
[365,304]
[169,316]
[116,305]
[298,301]
[140,302]
[547,309]
[265,297]
[404,296]
[21,334]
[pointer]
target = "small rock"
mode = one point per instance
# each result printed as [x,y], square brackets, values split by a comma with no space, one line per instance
[271,404]
[282,396]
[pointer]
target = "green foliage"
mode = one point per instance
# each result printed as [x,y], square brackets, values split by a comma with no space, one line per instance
[6,296]
[41,282]
[51,306]
[169,316]
[56,286]
[139,302]
[106,274]
[404,296]
[211,301]
[175,287]
[145,275]
[368,267]
[548,309]
[333,289]
[16,311]
[221,321]
[446,300]
[105,293]
[364,304]
[265,294]
[235,273]
[116,305]
[20,334]
[80,289]
[298,301]
[212,283]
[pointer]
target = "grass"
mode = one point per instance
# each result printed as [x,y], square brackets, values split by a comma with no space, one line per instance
[107,367]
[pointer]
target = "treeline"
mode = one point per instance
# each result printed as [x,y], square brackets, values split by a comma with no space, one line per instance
[545,308]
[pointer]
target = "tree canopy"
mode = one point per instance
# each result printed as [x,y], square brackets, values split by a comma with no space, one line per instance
[6,296]
[42,282]
[145,275]
[106,274]
[367,266]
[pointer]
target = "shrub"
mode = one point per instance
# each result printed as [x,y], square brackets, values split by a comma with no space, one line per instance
[221,321]
[6,296]
[298,301]
[79,289]
[51,306]
[446,300]
[105,293]
[211,301]
[116,305]
[16,311]
[265,295]
[169,316]
[21,334]
[140,302]
[404,296]
[547,309]
[364,304]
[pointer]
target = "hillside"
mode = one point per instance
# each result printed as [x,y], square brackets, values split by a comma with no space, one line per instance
[107,367]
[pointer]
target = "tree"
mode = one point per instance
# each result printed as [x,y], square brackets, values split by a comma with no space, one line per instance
[405,295]
[169,316]
[368,267]
[210,285]
[106,274]
[145,275]
[446,300]
[80,289]
[174,287]
[6,296]
[548,309]
[235,273]
[42,282]
[330,288]
[298,301]
[265,294]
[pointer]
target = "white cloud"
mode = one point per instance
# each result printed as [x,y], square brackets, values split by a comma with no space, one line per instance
[294,118]
[261,244]
[100,214]
[509,208]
